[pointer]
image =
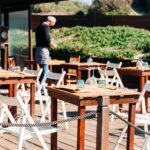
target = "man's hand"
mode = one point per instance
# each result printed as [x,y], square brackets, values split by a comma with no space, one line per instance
[53,44]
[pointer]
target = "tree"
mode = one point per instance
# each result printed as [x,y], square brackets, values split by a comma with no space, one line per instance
[102,6]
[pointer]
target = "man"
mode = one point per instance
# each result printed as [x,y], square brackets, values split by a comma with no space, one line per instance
[43,43]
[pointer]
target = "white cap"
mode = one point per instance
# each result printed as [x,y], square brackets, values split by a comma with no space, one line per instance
[51,19]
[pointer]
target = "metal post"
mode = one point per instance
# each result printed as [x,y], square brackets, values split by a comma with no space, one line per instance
[102,142]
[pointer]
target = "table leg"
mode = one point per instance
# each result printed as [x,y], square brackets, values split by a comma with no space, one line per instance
[131,130]
[78,74]
[54,118]
[50,67]
[81,129]
[146,95]
[12,93]
[88,73]
[142,82]
[32,99]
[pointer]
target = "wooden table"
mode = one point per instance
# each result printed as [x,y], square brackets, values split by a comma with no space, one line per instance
[142,75]
[53,62]
[79,67]
[12,79]
[99,98]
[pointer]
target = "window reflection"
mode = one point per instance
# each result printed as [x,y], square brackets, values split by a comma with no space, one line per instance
[18,36]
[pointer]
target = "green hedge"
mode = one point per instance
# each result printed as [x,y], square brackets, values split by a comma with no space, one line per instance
[120,42]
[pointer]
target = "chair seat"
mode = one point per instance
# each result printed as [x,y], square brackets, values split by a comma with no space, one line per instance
[37,96]
[29,133]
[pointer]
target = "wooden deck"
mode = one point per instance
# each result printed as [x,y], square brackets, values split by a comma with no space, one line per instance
[67,138]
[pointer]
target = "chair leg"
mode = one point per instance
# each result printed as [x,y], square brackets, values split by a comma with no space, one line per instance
[64,113]
[146,143]
[48,102]
[1,121]
[121,137]
[145,129]
[114,110]
[26,145]
[21,136]
[39,136]
[42,108]
[47,110]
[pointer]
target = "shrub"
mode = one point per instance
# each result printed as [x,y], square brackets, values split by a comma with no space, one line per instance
[118,42]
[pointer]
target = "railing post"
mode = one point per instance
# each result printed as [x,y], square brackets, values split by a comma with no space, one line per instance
[102,137]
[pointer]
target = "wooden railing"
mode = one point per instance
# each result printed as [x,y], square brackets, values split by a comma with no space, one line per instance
[96,20]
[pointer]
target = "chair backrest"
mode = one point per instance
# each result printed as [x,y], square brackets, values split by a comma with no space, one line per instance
[142,97]
[34,72]
[6,101]
[56,78]
[110,65]
[74,58]
[111,76]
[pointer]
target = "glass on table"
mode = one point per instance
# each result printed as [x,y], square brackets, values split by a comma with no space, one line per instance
[101,83]
[91,80]
[17,69]
[80,83]
[14,68]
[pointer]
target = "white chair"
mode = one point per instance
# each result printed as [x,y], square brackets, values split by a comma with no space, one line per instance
[111,77]
[23,133]
[38,96]
[57,79]
[140,119]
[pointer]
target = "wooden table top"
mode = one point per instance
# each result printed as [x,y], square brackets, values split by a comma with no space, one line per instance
[9,74]
[91,92]
[84,64]
[134,69]
[51,62]
[56,62]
